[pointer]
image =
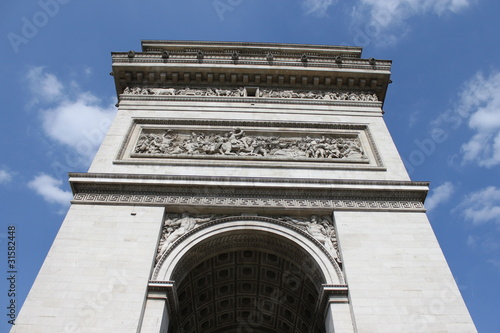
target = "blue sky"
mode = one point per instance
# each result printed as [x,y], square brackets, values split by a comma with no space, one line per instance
[443,108]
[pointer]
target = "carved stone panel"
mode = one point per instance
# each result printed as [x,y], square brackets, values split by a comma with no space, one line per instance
[258,144]
[239,143]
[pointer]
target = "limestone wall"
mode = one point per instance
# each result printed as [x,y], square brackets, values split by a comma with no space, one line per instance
[398,278]
[96,275]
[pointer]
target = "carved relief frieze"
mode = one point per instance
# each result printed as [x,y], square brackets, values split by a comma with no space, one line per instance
[263,93]
[331,146]
[327,95]
[231,92]
[240,144]
[320,228]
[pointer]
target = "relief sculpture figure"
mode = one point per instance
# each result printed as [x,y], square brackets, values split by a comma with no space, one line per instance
[321,229]
[175,228]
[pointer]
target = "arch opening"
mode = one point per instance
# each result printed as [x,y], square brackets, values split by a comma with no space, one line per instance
[244,281]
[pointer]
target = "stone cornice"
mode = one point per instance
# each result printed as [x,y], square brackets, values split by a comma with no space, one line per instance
[390,184]
[259,100]
[250,61]
[250,64]
[220,192]
[157,45]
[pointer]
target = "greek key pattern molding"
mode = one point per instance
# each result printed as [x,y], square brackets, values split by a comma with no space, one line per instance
[382,205]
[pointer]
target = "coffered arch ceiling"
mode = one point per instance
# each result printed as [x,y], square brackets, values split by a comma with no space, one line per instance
[247,281]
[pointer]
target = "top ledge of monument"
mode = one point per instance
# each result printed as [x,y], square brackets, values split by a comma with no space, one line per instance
[243,64]
[161,45]
[250,53]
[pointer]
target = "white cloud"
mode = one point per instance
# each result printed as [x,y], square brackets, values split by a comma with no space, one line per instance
[482,206]
[71,117]
[44,86]
[480,101]
[383,16]
[5,176]
[50,189]
[439,195]
[318,7]
[80,124]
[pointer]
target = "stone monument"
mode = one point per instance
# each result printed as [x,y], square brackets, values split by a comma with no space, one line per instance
[246,187]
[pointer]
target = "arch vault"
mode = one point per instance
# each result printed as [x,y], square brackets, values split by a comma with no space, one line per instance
[246,274]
